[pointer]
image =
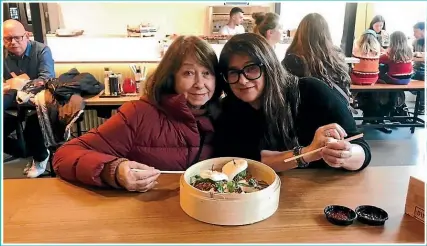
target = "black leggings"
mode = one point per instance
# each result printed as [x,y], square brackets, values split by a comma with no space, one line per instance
[34,141]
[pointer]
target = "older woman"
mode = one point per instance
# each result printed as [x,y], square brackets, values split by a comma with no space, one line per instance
[168,129]
[271,115]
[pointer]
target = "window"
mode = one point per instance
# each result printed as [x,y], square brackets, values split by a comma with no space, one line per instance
[291,14]
[401,16]
[28,12]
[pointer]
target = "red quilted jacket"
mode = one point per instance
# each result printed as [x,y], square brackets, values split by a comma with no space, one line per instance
[167,139]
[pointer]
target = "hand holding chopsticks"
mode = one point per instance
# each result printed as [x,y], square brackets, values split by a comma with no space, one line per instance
[136,181]
[319,149]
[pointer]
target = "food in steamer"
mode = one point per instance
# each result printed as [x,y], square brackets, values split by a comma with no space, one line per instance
[233,178]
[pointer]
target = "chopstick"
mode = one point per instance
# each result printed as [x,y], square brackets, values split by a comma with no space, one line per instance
[133,68]
[141,170]
[319,149]
[144,72]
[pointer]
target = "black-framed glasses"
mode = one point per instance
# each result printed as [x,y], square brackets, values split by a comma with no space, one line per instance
[251,72]
[16,38]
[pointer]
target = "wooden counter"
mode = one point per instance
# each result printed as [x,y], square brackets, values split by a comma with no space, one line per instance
[414,85]
[109,101]
[54,211]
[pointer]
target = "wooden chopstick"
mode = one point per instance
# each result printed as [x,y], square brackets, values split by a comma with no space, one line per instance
[141,170]
[319,149]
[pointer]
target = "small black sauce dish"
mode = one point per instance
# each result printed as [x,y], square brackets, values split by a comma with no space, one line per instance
[371,215]
[340,215]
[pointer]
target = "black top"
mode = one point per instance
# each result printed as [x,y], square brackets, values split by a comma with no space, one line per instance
[239,129]
[296,66]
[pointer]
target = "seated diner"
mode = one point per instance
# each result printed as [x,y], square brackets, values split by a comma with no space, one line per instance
[270,115]
[168,129]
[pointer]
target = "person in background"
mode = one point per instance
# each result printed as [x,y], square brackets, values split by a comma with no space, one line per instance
[313,54]
[24,55]
[397,61]
[270,115]
[396,68]
[33,60]
[258,18]
[367,49]
[419,58]
[170,128]
[234,25]
[267,25]
[378,26]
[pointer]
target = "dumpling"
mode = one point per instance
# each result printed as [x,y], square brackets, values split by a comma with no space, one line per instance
[213,175]
[234,167]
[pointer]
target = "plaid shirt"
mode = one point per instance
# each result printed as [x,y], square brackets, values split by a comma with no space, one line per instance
[419,45]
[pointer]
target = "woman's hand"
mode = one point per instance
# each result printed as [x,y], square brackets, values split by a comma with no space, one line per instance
[136,180]
[322,136]
[336,152]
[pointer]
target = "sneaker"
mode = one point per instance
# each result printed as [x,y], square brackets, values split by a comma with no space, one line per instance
[38,168]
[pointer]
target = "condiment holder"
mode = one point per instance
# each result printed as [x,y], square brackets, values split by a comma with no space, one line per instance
[371,215]
[340,215]
[366,214]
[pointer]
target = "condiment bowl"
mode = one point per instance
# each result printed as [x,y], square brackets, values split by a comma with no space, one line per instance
[371,215]
[340,215]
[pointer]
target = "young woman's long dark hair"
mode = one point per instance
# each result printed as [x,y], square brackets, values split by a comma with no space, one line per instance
[321,59]
[280,97]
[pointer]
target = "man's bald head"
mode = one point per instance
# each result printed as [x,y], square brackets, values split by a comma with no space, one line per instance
[12,24]
[15,37]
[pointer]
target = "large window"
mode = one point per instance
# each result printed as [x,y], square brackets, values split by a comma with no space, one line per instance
[401,16]
[291,14]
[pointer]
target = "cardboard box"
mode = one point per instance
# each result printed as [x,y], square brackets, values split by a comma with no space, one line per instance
[415,199]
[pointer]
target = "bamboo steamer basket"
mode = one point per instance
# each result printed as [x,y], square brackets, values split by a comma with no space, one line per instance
[230,208]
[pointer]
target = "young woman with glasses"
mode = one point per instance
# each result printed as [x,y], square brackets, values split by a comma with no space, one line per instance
[271,115]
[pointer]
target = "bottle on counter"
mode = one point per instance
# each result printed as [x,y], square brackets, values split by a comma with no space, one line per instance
[138,78]
[113,80]
[107,74]
[160,49]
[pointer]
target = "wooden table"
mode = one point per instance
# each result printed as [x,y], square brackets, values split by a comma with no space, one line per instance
[109,101]
[54,211]
[415,85]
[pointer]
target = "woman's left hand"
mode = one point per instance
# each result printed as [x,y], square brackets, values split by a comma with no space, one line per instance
[336,152]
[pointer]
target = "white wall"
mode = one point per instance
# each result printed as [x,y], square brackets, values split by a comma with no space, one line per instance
[291,14]
[112,17]
[401,16]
